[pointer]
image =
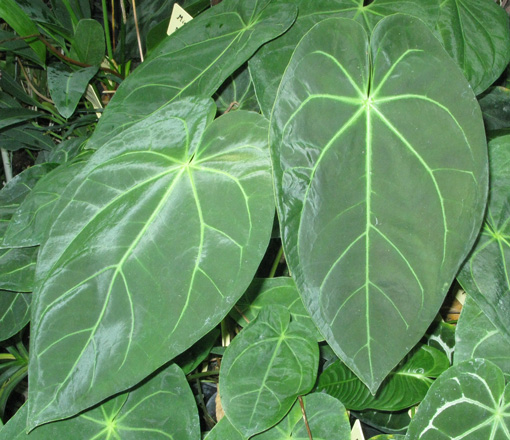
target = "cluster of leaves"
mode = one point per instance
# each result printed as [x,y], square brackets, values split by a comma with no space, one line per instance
[134,245]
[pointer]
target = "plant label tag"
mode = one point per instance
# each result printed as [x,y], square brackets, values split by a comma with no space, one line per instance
[357,433]
[461,296]
[178,19]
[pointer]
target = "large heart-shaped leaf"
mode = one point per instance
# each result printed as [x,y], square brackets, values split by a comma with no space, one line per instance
[164,228]
[485,276]
[362,154]
[161,408]
[195,60]
[403,388]
[477,337]
[269,364]
[269,63]
[468,402]
[477,36]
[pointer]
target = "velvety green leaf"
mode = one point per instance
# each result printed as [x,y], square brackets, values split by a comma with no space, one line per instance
[14,313]
[63,152]
[11,116]
[89,43]
[356,174]
[25,136]
[238,88]
[484,276]
[17,19]
[326,418]
[403,388]
[477,337]
[32,220]
[195,60]
[67,87]
[70,12]
[282,360]
[197,353]
[177,207]
[224,430]
[495,105]
[468,402]
[10,43]
[395,422]
[441,335]
[477,36]
[161,408]
[267,291]
[269,63]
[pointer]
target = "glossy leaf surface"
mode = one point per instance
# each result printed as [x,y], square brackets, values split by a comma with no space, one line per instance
[195,60]
[237,92]
[477,36]
[160,408]
[14,312]
[268,64]
[17,268]
[326,418]
[282,360]
[67,87]
[395,422]
[356,173]
[468,402]
[32,220]
[485,275]
[477,337]
[163,228]
[268,291]
[403,388]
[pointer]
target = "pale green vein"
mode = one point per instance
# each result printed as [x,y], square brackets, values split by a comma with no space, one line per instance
[383,293]
[352,295]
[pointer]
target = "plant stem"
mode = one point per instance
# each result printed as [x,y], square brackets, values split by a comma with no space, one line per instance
[203,374]
[107,30]
[137,31]
[302,405]
[276,262]
[7,165]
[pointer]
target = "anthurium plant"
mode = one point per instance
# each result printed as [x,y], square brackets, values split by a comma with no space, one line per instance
[264,225]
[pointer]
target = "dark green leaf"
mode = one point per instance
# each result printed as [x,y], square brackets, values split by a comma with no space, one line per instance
[281,358]
[278,291]
[357,173]
[67,87]
[403,388]
[161,408]
[388,437]
[326,418]
[495,105]
[237,92]
[11,43]
[17,19]
[441,335]
[395,422]
[25,136]
[164,228]
[17,268]
[9,85]
[14,313]
[485,274]
[194,7]
[11,116]
[477,36]
[195,60]
[224,430]
[89,43]
[468,402]
[193,357]
[477,337]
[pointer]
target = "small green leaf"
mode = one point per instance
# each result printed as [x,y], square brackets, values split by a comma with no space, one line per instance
[89,43]
[162,407]
[476,35]
[67,87]
[282,360]
[469,402]
[394,422]
[477,337]
[403,388]
[278,291]
[495,108]
[441,335]
[11,116]
[224,430]
[237,92]
[14,313]
[193,356]
[326,416]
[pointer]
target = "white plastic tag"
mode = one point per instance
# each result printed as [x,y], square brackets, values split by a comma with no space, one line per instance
[178,19]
